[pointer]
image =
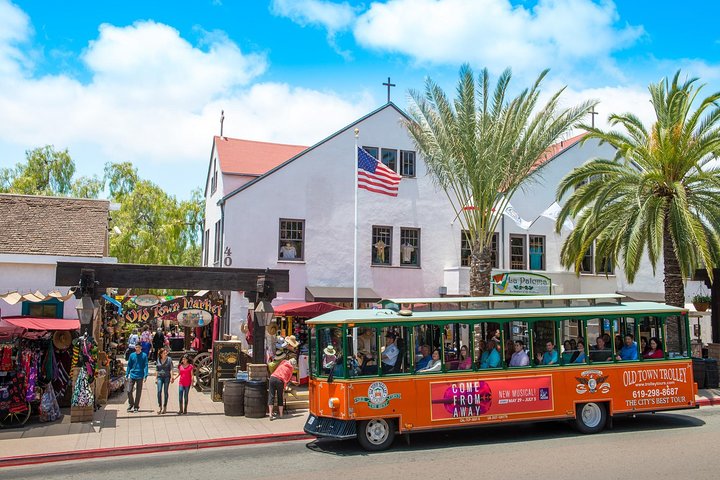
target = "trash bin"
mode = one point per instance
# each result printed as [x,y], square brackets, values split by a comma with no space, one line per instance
[234,398]
[699,371]
[711,373]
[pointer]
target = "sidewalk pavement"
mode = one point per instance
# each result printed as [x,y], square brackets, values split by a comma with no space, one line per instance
[115,432]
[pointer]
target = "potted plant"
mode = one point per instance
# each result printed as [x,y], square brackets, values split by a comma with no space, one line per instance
[701,302]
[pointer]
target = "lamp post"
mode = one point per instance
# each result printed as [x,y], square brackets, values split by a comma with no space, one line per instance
[87,310]
[264,314]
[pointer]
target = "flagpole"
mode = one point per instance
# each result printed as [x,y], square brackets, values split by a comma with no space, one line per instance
[355,237]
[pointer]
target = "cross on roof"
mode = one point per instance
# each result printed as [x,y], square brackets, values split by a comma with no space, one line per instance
[592,116]
[388,85]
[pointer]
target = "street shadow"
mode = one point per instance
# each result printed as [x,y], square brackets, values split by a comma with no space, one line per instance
[506,434]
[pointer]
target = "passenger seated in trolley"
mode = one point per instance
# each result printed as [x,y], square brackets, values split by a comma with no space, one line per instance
[629,351]
[600,353]
[465,361]
[550,357]
[490,357]
[579,355]
[520,357]
[426,357]
[655,349]
[568,351]
[435,365]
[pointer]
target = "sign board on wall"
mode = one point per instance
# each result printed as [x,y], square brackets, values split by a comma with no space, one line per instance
[176,305]
[521,283]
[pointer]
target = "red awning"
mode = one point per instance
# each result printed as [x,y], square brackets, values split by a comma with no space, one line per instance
[305,309]
[8,329]
[35,323]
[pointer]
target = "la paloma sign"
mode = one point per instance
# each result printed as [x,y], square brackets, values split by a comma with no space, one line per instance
[521,283]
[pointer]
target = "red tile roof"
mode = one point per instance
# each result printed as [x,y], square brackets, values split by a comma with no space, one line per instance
[556,149]
[252,158]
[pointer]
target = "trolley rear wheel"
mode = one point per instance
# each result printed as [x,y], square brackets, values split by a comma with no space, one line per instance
[590,417]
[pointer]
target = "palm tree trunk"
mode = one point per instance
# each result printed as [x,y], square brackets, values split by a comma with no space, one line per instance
[480,269]
[674,288]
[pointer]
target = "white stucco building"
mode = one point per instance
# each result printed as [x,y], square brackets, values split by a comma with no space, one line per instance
[291,207]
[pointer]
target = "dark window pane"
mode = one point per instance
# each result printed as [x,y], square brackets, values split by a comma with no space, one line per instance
[389,158]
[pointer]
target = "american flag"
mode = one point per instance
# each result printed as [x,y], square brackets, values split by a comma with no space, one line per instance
[376,177]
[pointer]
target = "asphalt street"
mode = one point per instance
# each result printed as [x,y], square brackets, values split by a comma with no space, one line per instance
[662,446]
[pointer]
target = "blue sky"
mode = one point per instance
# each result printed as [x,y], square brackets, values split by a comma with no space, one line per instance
[144,81]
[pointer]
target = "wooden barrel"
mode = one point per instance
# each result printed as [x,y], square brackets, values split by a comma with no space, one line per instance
[256,398]
[234,398]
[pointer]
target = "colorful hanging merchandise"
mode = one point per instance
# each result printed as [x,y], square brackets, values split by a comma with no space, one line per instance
[82,393]
[29,365]
[49,408]
[85,357]
[6,361]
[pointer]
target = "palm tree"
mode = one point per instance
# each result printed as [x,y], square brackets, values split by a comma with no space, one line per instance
[481,147]
[659,194]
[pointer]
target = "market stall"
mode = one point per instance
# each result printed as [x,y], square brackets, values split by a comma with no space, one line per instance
[36,359]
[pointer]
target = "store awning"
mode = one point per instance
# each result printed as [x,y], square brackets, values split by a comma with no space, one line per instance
[8,329]
[340,294]
[36,323]
[304,309]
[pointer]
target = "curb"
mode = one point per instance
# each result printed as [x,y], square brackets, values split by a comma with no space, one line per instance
[36,459]
[707,402]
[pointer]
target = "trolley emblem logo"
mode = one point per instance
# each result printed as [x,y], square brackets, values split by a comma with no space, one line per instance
[377,396]
[592,381]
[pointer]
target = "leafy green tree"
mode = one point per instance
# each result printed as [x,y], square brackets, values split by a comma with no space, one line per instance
[659,196]
[155,228]
[46,171]
[481,147]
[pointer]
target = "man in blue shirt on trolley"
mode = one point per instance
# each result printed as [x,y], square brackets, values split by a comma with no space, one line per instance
[629,351]
[550,357]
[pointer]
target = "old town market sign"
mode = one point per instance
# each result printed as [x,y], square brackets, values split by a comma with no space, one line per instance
[175,305]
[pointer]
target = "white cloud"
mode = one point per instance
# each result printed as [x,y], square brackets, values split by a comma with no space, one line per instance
[495,33]
[14,28]
[153,98]
[334,17]
[612,100]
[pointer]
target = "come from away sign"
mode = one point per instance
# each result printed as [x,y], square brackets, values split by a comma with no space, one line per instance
[521,283]
[175,305]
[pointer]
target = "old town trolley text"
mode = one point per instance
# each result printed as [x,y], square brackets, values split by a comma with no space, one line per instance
[376,373]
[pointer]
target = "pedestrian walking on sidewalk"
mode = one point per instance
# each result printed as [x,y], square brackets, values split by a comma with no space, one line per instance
[136,373]
[185,374]
[164,367]
[158,341]
[278,381]
[133,340]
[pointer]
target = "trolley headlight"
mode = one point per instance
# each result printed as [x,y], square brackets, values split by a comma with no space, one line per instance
[333,402]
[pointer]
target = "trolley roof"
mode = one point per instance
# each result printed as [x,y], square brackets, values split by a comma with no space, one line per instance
[389,316]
